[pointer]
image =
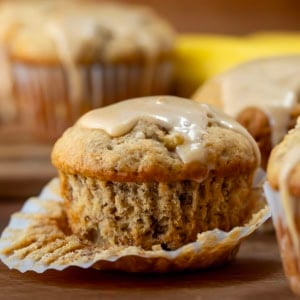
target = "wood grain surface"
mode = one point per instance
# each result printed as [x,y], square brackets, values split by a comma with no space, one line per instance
[255,274]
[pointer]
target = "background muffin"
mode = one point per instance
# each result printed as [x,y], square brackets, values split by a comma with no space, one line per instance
[158,174]
[263,95]
[62,58]
[284,198]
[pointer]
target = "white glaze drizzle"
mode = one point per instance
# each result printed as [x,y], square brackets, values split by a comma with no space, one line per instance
[289,202]
[270,84]
[72,69]
[180,116]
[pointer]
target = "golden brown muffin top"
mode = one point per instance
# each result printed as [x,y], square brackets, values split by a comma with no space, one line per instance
[160,138]
[270,84]
[284,164]
[51,31]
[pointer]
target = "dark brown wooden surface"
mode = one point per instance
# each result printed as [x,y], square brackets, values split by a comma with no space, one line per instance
[255,274]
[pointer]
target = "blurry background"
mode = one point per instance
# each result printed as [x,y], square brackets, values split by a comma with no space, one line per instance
[228,17]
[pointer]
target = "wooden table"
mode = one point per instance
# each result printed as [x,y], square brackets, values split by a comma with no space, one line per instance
[25,165]
[255,274]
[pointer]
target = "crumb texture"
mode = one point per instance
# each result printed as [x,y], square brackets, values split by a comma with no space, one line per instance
[258,125]
[37,239]
[147,153]
[146,214]
[280,156]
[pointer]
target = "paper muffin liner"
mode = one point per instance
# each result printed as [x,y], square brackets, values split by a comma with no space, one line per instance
[37,239]
[259,180]
[289,254]
[49,99]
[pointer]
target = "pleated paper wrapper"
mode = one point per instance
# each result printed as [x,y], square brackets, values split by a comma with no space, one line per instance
[288,250]
[48,99]
[37,238]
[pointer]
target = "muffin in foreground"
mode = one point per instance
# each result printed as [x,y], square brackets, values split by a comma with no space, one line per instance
[60,59]
[283,194]
[155,171]
[262,95]
[157,184]
[37,239]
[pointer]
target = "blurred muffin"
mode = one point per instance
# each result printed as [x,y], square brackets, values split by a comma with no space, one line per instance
[263,95]
[283,192]
[59,59]
[157,174]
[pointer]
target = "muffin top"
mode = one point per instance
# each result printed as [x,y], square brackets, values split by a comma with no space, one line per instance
[284,164]
[160,138]
[271,84]
[51,31]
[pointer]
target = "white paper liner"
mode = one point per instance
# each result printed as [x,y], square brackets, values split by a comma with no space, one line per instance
[259,180]
[290,257]
[44,94]
[36,240]
[273,199]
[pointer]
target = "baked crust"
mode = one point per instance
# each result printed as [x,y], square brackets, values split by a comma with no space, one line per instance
[254,119]
[210,93]
[257,123]
[135,189]
[275,164]
[152,157]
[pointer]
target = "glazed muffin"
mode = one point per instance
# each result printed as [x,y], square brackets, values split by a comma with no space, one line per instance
[155,171]
[263,95]
[59,59]
[283,192]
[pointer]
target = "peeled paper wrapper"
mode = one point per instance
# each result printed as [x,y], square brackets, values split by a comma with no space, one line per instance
[259,180]
[288,250]
[37,239]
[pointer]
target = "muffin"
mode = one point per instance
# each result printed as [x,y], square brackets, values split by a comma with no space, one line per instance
[59,59]
[283,192]
[155,171]
[262,95]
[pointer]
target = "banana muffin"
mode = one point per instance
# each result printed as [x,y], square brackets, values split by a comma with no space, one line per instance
[155,171]
[263,95]
[60,59]
[283,192]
